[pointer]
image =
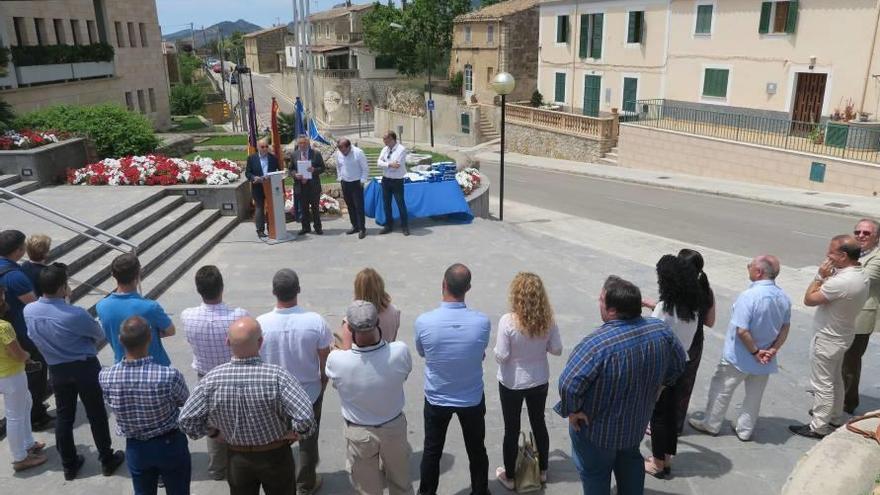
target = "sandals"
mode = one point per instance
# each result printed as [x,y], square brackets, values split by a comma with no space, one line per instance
[657,472]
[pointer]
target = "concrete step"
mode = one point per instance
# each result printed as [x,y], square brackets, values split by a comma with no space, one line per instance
[611,154]
[606,161]
[150,237]
[23,187]
[87,252]
[7,180]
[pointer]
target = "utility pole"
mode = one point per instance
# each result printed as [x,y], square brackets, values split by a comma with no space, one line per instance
[204,35]
[192,37]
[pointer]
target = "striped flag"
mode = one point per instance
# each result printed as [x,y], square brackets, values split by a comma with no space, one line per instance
[276,136]
[252,126]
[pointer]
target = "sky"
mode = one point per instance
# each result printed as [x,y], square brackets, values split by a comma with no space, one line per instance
[175,15]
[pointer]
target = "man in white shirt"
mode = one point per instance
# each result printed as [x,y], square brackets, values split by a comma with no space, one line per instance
[840,290]
[369,378]
[353,172]
[392,161]
[298,341]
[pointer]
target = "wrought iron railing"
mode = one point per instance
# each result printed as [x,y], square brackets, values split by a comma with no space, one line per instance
[849,140]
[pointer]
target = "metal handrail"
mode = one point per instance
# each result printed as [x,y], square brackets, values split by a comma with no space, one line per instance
[116,238]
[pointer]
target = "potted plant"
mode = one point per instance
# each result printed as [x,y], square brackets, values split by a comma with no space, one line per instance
[816,135]
[863,116]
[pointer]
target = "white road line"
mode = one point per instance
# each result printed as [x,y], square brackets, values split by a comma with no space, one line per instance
[820,236]
[639,203]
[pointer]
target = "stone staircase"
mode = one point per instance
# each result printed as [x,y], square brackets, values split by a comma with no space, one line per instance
[610,158]
[487,129]
[14,183]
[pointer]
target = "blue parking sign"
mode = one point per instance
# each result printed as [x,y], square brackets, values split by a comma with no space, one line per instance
[431,105]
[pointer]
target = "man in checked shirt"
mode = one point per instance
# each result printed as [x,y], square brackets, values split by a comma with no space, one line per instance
[258,409]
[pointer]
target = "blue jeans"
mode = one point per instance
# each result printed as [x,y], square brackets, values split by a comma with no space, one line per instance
[167,456]
[595,465]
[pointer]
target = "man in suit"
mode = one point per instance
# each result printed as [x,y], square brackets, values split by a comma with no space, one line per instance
[309,190]
[258,165]
[867,234]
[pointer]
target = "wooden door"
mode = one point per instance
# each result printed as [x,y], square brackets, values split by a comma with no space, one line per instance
[592,92]
[808,97]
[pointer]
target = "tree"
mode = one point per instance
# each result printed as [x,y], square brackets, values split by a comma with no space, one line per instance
[233,47]
[189,63]
[486,3]
[7,115]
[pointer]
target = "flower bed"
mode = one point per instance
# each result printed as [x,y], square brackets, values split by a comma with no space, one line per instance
[26,139]
[155,170]
[327,204]
[469,179]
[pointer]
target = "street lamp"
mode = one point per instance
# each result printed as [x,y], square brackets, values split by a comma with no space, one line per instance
[503,84]
[429,68]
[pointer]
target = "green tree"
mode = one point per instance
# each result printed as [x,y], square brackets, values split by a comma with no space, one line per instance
[233,47]
[486,3]
[6,115]
[189,63]
[186,99]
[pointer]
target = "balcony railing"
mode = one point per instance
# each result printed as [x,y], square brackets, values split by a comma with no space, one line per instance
[600,128]
[349,37]
[337,73]
[35,65]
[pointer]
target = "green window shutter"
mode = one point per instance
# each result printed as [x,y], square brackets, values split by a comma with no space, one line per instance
[715,83]
[465,123]
[592,91]
[562,29]
[704,19]
[559,93]
[584,36]
[791,21]
[635,27]
[596,45]
[764,26]
[630,85]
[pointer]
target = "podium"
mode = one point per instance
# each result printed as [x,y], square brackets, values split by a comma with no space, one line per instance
[273,189]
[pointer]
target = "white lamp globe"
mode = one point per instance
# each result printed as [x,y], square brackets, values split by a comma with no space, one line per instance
[503,83]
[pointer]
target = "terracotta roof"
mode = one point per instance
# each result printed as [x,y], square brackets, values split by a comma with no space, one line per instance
[498,10]
[264,31]
[339,11]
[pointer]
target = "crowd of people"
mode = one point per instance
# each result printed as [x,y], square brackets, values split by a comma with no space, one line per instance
[262,379]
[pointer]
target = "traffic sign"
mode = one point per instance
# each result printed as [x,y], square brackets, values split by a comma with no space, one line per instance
[367,107]
[431,105]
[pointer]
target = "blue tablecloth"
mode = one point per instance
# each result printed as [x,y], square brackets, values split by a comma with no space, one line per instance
[423,199]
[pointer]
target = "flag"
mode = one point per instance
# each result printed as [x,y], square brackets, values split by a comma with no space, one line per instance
[252,126]
[314,135]
[299,127]
[276,136]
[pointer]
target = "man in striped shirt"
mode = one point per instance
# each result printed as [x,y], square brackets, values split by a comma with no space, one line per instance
[205,327]
[609,386]
[146,398]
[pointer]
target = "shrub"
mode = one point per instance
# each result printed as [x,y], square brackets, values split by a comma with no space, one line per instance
[456,82]
[537,99]
[115,130]
[189,63]
[61,54]
[186,99]
[6,115]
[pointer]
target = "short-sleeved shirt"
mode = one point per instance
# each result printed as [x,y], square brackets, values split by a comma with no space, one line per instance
[17,284]
[116,308]
[291,339]
[846,292]
[8,365]
[762,309]
[684,330]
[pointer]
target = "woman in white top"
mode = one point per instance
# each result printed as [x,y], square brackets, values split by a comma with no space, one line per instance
[369,286]
[525,336]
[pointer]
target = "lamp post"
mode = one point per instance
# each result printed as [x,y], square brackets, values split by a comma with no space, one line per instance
[503,84]
[429,69]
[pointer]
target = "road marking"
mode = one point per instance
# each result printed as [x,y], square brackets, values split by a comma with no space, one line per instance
[822,236]
[639,203]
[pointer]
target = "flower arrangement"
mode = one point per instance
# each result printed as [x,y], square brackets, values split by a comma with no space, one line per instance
[327,204]
[155,170]
[469,180]
[26,139]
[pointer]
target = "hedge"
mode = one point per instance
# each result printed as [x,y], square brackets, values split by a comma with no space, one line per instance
[61,54]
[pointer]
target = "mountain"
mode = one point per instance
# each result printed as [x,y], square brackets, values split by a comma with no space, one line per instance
[213,32]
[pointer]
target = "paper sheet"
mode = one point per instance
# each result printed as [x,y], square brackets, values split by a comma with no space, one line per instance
[302,168]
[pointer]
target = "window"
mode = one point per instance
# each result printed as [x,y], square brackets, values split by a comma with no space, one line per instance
[129,101]
[119,35]
[559,88]
[490,73]
[90,28]
[142,103]
[40,25]
[20,31]
[635,27]
[630,94]
[704,19]
[465,123]
[131,39]
[715,83]
[467,34]
[468,78]
[778,17]
[143,29]
[60,39]
[591,35]
[74,32]
[562,29]
[152,94]
[490,34]
[384,62]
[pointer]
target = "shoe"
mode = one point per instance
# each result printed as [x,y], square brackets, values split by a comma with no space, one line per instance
[362,234]
[406,231]
[36,448]
[109,467]
[701,427]
[2,428]
[386,230]
[740,437]
[501,476]
[71,472]
[314,489]
[544,477]
[319,231]
[806,431]
[218,476]
[261,235]
[32,460]
[657,472]
[43,423]
[351,231]
[303,231]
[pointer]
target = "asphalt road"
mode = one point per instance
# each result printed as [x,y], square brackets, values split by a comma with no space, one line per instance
[798,236]
[263,94]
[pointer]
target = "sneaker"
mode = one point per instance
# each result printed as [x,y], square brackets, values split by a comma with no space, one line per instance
[701,427]
[109,466]
[742,438]
[501,476]
[806,431]
[32,460]
[314,489]
[71,472]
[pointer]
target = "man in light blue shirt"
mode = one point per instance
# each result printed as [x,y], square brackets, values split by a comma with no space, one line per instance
[759,323]
[453,341]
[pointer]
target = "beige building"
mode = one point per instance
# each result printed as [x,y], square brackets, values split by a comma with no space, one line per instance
[135,77]
[261,49]
[500,37]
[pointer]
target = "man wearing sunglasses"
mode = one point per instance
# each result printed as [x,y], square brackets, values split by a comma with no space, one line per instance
[258,165]
[867,235]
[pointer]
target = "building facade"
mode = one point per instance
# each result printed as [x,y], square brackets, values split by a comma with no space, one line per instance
[498,38]
[261,49]
[135,77]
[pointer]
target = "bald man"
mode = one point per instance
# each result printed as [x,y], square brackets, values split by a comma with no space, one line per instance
[260,164]
[258,409]
[839,292]
[759,324]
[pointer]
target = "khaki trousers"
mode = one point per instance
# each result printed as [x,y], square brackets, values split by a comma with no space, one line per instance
[367,446]
[827,381]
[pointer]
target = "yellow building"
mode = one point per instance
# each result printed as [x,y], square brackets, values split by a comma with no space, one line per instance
[261,49]
[135,76]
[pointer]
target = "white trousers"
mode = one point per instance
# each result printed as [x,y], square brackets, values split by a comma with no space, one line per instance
[826,379]
[724,382]
[18,414]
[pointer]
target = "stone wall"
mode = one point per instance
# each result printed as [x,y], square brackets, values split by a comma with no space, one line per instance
[46,164]
[447,123]
[537,142]
[520,33]
[337,97]
[668,151]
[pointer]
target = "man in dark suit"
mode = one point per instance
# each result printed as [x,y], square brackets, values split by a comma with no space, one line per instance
[258,165]
[309,190]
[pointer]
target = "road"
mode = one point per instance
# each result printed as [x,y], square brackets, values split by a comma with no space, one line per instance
[263,93]
[798,236]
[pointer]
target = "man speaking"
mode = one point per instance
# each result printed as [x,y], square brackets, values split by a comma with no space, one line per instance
[259,165]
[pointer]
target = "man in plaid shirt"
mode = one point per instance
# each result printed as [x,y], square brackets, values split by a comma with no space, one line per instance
[258,409]
[146,398]
[205,327]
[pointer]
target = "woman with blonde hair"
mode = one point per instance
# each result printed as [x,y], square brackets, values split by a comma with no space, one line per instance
[525,335]
[369,286]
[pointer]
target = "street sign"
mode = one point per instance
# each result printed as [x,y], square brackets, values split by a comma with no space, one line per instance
[431,105]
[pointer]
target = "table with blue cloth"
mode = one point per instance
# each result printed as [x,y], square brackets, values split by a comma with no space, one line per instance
[423,199]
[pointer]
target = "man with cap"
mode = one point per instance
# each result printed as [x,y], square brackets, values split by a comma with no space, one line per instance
[369,378]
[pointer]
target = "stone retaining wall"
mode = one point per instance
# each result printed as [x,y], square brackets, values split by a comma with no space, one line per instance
[537,142]
[46,164]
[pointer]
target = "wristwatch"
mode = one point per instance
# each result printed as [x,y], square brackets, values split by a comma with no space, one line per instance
[756,352]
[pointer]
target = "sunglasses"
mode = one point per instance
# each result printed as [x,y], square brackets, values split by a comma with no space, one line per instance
[867,233]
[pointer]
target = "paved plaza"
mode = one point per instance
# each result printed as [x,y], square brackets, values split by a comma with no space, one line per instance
[573,255]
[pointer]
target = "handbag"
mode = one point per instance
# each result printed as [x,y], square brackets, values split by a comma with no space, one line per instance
[528,472]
